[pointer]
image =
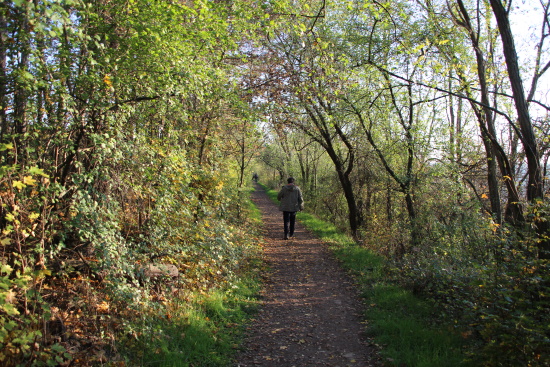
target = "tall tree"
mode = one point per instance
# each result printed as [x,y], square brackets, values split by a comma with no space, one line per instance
[528,139]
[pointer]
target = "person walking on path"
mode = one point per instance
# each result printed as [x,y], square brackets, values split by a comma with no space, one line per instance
[291,201]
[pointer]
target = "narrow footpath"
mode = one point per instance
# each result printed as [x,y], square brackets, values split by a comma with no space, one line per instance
[311,312]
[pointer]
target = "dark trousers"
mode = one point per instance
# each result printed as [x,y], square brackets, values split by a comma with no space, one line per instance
[289,219]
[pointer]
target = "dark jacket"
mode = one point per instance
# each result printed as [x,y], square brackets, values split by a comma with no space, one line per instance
[291,199]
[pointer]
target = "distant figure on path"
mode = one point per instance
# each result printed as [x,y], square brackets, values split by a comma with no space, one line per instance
[255,177]
[291,200]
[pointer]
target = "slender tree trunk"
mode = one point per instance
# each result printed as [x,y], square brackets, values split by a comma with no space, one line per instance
[535,184]
[343,169]
[242,163]
[487,128]
[494,151]
[455,133]
[20,97]
[453,123]
[3,72]
[389,206]
[459,131]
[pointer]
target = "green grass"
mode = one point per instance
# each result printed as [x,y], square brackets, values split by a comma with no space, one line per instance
[253,213]
[404,326]
[271,193]
[200,329]
[203,331]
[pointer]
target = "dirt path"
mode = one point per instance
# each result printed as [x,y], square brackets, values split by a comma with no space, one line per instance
[310,313]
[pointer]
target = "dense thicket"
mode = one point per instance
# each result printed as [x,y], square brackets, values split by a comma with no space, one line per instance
[118,142]
[409,125]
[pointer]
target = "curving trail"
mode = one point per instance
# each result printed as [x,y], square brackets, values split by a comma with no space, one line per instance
[310,312]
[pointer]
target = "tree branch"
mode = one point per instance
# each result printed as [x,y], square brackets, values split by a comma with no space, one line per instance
[462,96]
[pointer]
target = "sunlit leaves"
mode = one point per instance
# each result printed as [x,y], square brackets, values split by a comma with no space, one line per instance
[37,171]
[129,106]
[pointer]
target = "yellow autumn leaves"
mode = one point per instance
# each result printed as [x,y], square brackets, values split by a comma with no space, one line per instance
[29,180]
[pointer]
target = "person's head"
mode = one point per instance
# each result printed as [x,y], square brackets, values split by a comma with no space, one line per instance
[290,180]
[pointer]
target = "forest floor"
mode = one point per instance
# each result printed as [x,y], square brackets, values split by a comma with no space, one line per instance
[310,313]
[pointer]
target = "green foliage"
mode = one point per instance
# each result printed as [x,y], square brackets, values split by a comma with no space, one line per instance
[514,323]
[494,287]
[201,327]
[119,122]
[113,157]
[196,318]
[26,225]
[23,319]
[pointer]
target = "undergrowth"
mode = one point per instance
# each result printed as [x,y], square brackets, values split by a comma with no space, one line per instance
[199,328]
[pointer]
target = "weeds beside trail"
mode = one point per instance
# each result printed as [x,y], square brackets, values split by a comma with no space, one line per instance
[201,328]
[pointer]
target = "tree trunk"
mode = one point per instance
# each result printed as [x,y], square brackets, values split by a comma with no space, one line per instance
[354,215]
[20,96]
[453,123]
[535,184]
[528,139]
[514,212]
[389,207]
[415,238]
[343,169]
[242,161]
[3,73]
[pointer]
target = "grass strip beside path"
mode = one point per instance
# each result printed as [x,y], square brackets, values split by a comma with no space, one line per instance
[404,326]
[201,328]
